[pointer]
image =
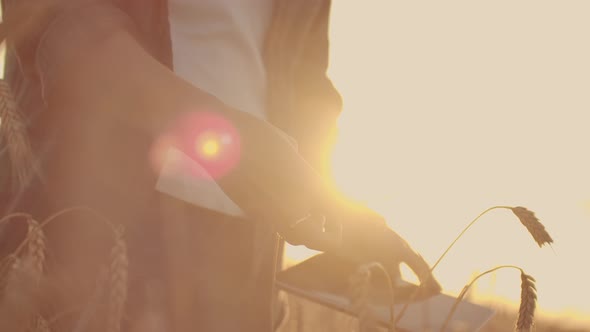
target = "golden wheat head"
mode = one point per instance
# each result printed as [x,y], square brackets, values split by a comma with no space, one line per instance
[528,303]
[35,249]
[533,225]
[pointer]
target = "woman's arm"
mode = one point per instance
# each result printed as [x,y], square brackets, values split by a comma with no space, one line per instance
[110,82]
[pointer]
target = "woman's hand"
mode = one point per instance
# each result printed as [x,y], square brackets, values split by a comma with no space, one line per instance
[356,233]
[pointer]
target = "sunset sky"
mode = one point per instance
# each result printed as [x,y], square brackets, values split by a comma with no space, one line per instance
[451,108]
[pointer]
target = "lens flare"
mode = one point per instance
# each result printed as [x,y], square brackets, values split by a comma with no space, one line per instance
[213,144]
[205,137]
[210,148]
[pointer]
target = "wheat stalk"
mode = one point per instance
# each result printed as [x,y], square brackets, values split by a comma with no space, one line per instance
[117,282]
[528,303]
[526,217]
[533,225]
[14,215]
[360,291]
[14,135]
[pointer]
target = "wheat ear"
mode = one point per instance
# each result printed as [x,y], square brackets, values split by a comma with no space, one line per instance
[14,135]
[526,217]
[528,303]
[533,225]
[117,282]
[34,244]
[7,262]
[36,247]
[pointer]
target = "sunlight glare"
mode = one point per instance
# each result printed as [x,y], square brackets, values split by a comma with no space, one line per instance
[470,113]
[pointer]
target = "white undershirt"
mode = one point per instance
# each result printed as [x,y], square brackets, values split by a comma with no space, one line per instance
[217,45]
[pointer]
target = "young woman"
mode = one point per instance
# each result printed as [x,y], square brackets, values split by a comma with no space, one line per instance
[177,119]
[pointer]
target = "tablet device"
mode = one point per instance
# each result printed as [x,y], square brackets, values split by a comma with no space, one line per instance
[324,279]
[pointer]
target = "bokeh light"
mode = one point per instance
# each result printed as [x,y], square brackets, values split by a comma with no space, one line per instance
[206,138]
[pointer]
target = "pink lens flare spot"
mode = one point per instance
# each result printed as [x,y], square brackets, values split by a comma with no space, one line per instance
[205,137]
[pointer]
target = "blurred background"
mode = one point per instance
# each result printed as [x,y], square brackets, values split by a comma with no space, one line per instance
[453,107]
